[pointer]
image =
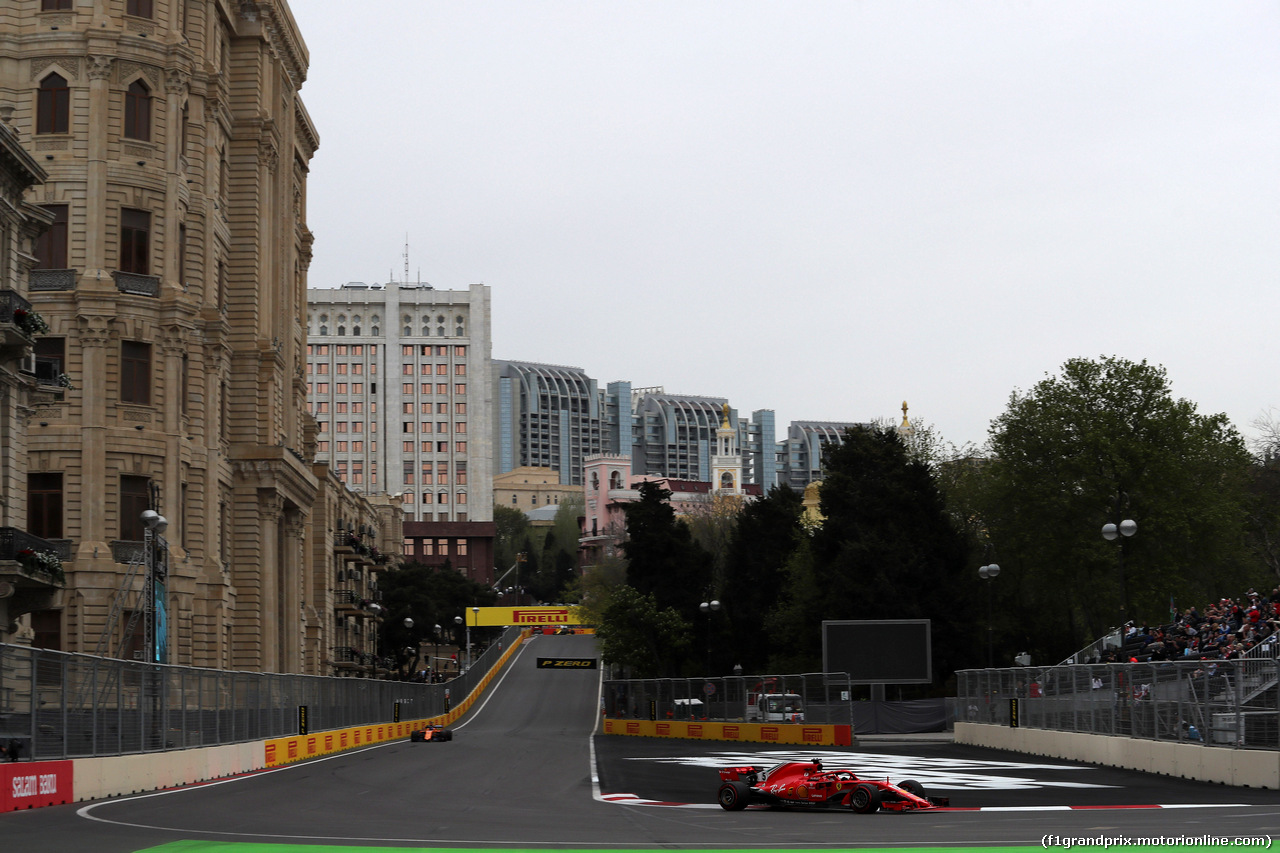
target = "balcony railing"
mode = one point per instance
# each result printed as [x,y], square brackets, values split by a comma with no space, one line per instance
[135,283]
[128,551]
[11,301]
[42,280]
[35,555]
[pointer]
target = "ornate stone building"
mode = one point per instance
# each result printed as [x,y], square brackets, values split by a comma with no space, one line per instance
[30,567]
[173,279]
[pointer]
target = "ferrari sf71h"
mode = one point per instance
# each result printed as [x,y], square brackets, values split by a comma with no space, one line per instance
[806,784]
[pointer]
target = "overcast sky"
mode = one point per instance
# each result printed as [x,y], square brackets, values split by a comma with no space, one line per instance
[820,208]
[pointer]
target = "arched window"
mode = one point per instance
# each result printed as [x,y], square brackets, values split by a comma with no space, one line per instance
[408,331]
[426,330]
[355,330]
[53,105]
[342,331]
[375,331]
[137,111]
[615,479]
[440,331]
[726,480]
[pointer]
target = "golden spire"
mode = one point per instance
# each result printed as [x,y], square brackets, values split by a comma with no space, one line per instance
[724,421]
[905,423]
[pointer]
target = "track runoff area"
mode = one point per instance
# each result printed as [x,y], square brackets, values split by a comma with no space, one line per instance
[525,772]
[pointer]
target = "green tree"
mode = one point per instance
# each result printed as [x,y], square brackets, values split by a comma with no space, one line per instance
[662,558]
[887,547]
[1103,440]
[430,596]
[511,535]
[765,536]
[636,634]
[592,590]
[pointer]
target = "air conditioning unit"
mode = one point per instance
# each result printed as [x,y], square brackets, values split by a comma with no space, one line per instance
[28,364]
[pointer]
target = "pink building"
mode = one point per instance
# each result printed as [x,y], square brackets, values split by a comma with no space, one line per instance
[609,486]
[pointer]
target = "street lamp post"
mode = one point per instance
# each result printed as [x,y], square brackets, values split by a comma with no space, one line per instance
[709,607]
[475,618]
[415,649]
[458,620]
[988,572]
[1117,533]
[435,658]
[156,551]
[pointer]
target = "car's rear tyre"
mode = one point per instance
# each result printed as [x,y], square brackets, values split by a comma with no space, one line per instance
[733,796]
[865,799]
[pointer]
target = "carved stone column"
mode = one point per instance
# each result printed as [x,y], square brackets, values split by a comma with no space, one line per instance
[95,231]
[95,335]
[270,613]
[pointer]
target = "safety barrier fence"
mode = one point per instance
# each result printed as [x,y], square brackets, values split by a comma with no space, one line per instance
[823,697]
[1223,703]
[59,705]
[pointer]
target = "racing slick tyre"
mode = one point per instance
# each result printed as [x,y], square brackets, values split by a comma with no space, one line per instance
[911,786]
[415,736]
[865,799]
[445,735]
[733,796]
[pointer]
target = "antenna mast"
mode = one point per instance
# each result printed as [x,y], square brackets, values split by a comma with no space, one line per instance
[406,257]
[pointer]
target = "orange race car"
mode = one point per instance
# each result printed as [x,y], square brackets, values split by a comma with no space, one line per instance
[433,733]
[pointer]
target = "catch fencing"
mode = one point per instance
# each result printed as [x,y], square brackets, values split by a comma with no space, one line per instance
[60,705]
[1222,703]
[825,698]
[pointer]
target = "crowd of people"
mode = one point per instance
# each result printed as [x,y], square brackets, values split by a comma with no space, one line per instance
[1225,630]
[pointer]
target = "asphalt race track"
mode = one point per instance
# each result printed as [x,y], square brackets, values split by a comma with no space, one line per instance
[519,773]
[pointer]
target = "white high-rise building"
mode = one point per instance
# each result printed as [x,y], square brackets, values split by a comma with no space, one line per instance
[398,378]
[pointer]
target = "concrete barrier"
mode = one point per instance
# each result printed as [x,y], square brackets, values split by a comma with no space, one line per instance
[1250,768]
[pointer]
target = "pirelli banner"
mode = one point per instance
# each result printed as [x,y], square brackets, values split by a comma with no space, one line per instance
[786,733]
[521,617]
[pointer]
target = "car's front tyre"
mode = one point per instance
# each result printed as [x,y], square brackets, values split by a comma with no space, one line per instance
[865,799]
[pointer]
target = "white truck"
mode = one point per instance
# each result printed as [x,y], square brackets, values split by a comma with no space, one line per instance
[774,708]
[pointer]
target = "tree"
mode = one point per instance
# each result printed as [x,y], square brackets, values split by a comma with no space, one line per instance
[511,535]
[887,547]
[635,633]
[765,536]
[428,595]
[593,590]
[1103,440]
[662,558]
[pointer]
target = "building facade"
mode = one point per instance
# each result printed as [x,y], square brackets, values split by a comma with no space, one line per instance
[398,379]
[800,455]
[31,567]
[548,416]
[172,277]
[531,489]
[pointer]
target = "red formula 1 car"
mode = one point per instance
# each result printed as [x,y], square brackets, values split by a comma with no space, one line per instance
[808,784]
[433,733]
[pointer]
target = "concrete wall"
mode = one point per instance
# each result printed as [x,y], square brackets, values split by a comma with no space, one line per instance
[119,775]
[1250,768]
